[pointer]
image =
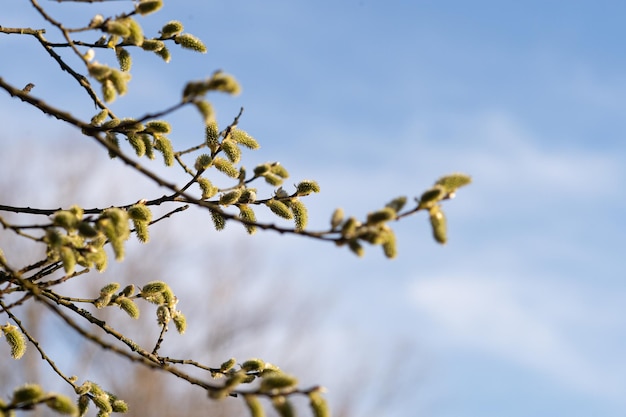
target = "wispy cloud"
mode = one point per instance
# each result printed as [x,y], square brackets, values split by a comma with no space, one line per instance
[529,323]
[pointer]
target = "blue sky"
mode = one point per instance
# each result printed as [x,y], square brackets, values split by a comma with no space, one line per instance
[522,313]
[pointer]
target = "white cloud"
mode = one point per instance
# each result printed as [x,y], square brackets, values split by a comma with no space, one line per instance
[532,324]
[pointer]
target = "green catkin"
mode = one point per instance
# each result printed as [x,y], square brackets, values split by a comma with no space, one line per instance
[397,204]
[232,151]
[158,126]
[279,208]
[253,365]
[164,145]
[129,307]
[279,170]
[15,339]
[152,45]
[438,224]
[211,136]
[208,189]
[254,405]
[171,28]
[123,59]
[117,27]
[228,365]
[246,213]
[68,258]
[61,404]
[318,405]
[140,212]
[390,247]
[336,218]
[136,33]
[226,167]
[148,6]
[153,287]
[188,41]
[300,214]
[307,187]
[164,53]
[381,216]
[218,220]
[230,197]
[180,321]
[243,138]
[109,288]
[223,82]
[277,381]
[141,231]
[203,162]
[430,197]
[27,393]
[283,407]
[453,181]
[206,110]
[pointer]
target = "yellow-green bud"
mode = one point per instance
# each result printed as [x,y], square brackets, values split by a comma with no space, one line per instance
[205,109]
[145,7]
[307,187]
[228,365]
[158,126]
[109,288]
[116,27]
[68,258]
[119,406]
[230,197]
[431,196]
[102,402]
[356,248]
[123,59]
[224,82]
[279,208]
[232,151]
[280,170]
[243,138]
[129,307]
[318,404]
[62,404]
[438,223]
[453,181]
[300,214]
[188,41]
[208,190]
[180,321]
[83,405]
[153,287]
[283,407]
[218,220]
[171,28]
[381,216]
[99,118]
[254,364]
[254,405]
[397,204]
[27,393]
[128,290]
[211,136]
[164,53]
[336,218]
[140,212]
[203,162]
[277,381]
[226,167]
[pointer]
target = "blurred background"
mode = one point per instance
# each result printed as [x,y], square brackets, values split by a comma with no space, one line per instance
[521,313]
